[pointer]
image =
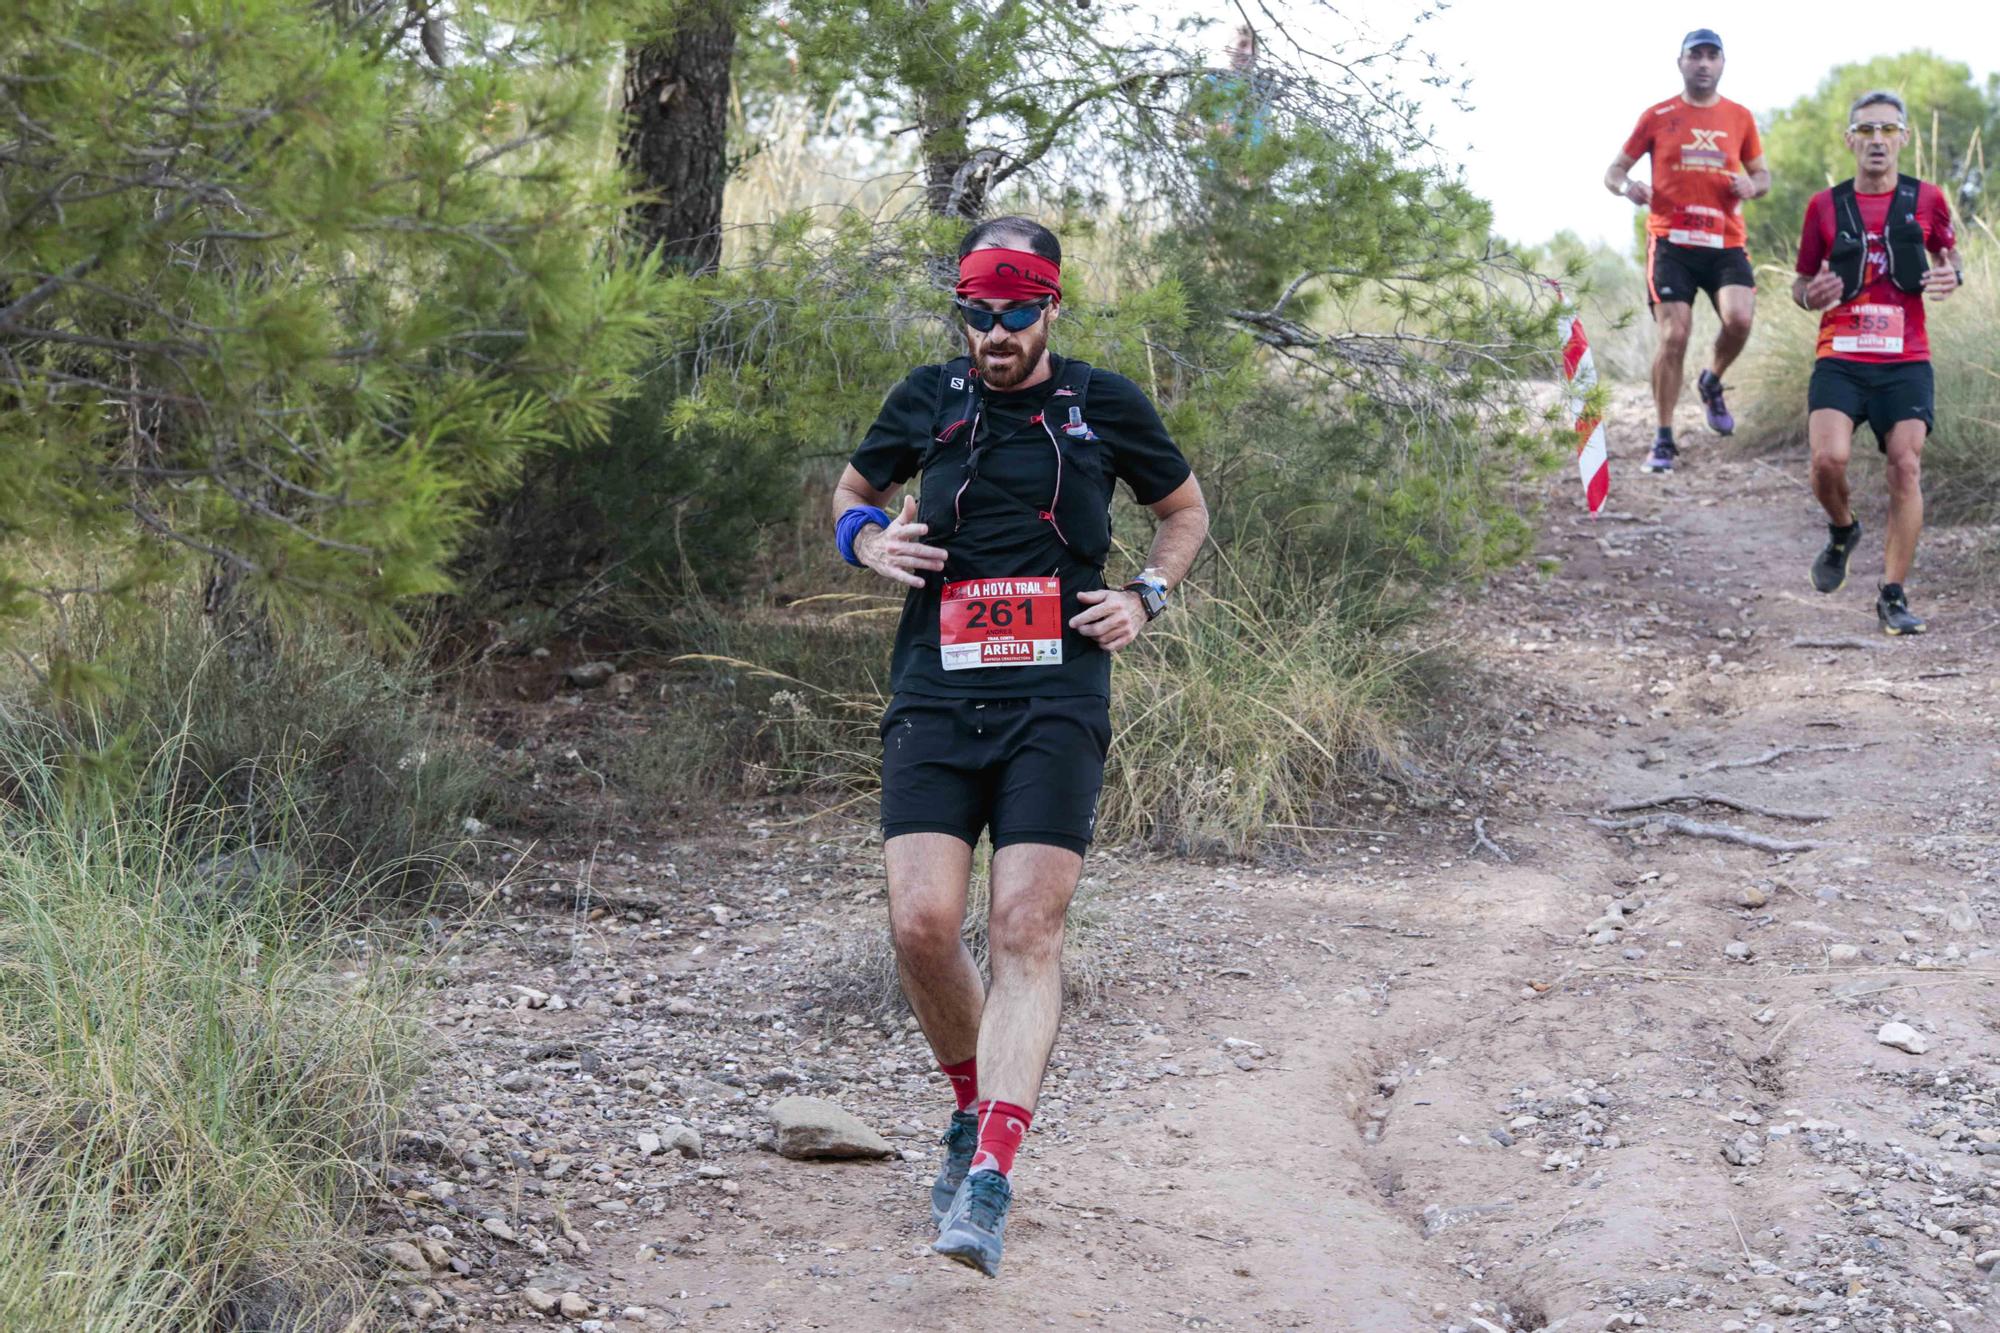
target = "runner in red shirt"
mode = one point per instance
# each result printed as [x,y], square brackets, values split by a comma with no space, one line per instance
[1871,250]
[1706,160]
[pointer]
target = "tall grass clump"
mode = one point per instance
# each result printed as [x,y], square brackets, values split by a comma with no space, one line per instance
[1236,720]
[194,1084]
[305,744]
[1962,457]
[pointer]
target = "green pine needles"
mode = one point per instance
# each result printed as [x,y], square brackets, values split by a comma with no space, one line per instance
[281,297]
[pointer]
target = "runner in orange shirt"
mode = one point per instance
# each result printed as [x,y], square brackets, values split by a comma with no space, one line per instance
[1706,160]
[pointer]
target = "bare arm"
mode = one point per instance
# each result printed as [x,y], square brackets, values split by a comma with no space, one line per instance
[894,552]
[1183,516]
[1619,182]
[1755,182]
[1115,617]
[1941,279]
[1821,291]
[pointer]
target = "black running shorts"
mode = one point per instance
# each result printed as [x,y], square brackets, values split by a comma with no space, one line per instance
[1028,769]
[1677,272]
[1879,393]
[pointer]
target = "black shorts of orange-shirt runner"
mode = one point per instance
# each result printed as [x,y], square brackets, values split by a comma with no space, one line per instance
[1025,770]
[1680,272]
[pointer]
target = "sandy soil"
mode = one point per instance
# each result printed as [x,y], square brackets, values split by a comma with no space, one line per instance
[1404,1084]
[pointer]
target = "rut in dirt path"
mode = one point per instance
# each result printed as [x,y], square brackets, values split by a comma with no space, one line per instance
[1628,1075]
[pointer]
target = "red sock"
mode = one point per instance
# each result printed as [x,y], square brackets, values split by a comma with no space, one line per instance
[964,1082]
[1001,1126]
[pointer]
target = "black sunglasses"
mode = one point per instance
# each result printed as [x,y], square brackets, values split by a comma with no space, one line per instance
[981,320]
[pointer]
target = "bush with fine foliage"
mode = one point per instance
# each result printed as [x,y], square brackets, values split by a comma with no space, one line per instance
[309,745]
[195,1091]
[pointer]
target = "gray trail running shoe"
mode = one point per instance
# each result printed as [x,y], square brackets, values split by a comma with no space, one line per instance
[1829,571]
[1893,610]
[972,1231]
[961,1140]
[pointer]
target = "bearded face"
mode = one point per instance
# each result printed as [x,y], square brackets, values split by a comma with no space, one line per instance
[1006,358]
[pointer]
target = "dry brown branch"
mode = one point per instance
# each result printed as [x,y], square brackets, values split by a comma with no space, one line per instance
[1832,643]
[1481,840]
[1695,829]
[1713,798]
[1779,752]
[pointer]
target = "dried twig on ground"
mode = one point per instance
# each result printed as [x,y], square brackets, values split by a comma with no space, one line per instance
[1696,829]
[1481,840]
[1392,930]
[1713,798]
[1776,753]
[1832,643]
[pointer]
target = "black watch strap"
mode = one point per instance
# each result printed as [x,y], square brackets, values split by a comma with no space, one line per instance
[1150,597]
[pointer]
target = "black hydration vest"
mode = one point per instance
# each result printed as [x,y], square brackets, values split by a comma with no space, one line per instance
[1902,238]
[1079,509]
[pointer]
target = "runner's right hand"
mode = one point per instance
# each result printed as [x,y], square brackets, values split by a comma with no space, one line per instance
[1823,291]
[1639,192]
[894,552]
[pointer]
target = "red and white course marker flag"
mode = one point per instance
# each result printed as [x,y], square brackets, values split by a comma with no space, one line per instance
[1593,462]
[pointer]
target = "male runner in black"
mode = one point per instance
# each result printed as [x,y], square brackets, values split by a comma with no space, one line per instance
[1873,247]
[1001,677]
[1707,159]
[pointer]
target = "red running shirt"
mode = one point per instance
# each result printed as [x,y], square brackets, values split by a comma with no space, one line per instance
[1696,150]
[1882,325]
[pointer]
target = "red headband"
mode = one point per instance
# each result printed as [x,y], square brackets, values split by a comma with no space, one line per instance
[1008,275]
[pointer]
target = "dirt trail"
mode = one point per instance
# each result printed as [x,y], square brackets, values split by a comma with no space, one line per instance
[1405,1086]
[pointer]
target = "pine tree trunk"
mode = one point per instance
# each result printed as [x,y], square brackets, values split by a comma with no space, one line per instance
[675,141]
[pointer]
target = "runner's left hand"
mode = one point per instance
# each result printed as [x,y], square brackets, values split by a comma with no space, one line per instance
[1111,616]
[1743,187]
[1940,282]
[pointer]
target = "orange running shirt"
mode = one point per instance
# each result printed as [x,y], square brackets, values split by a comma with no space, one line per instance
[1695,151]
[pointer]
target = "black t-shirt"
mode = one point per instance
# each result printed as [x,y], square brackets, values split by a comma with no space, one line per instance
[999,534]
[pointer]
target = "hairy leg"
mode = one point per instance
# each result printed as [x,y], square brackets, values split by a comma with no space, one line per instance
[1737,308]
[1906,499]
[928,876]
[1672,319]
[1832,435]
[1032,887]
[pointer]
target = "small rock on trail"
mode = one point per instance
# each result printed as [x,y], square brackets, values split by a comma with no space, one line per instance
[1903,1037]
[811,1128]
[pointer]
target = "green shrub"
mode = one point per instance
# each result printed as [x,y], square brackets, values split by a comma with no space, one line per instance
[1236,721]
[309,746]
[1962,458]
[193,1091]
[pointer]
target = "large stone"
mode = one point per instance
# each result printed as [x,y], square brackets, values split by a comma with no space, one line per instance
[810,1127]
[590,675]
[1903,1037]
[401,1254]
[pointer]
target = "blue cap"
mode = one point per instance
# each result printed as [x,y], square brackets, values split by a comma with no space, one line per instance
[1701,37]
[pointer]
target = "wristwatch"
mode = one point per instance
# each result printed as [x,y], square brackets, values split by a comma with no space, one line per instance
[1152,590]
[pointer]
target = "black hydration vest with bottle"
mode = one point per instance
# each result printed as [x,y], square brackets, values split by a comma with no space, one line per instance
[1902,239]
[1079,506]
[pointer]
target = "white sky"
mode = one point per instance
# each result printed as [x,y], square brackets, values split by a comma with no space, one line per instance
[1558,84]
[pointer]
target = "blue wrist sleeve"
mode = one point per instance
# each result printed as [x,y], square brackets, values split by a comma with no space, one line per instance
[849,526]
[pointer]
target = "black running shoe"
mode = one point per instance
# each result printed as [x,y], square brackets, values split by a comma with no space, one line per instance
[1829,572]
[1662,457]
[1893,610]
[960,1142]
